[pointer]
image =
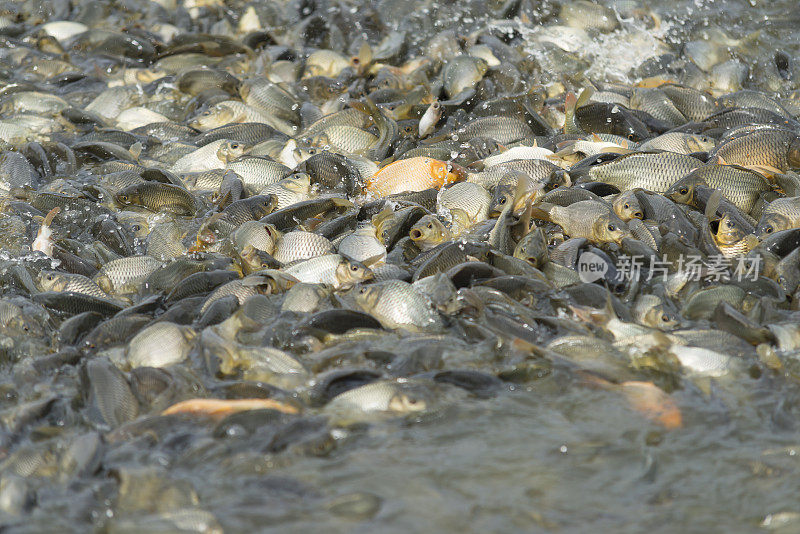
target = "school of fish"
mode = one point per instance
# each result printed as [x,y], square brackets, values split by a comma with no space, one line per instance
[237,230]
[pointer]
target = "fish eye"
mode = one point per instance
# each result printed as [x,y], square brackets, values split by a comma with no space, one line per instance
[430,226]
[611,227]
[665,318]
[768,229]
[683,191]
[25,328]
[729,224]
[234,145]
[627,206]
[503,200]
[362,291]
[123,198]
[354,268]
[136,227]
[206,113]
[49,277]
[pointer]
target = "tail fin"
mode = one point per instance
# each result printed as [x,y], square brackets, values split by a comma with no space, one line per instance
[541,211]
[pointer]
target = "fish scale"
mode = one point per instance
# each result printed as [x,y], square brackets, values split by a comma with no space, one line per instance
[739,185]
[504,130]
[654,172]
[124,275]
[472,198]
[299,245]
[770,147]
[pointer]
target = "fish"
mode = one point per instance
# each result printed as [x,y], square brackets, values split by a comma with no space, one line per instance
[396,304]
[44,236]
[413,174]
[654,172]
[332,269]
[589,219]
[157,197]
[429,232]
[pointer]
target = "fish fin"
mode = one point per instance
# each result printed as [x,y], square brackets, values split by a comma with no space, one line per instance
[224,200]
[373,260]
[414,97]
[48,219]
[584,97]
[382,215]
[609,307]
[525,184]
[214,218]
[365,55]
[565,144]
[541,211]
[564,149]
[768,171]
[525,219]
[136,150]
[751,241]
[721,161]
[713,204]
[617,150]
[570,102]
[596,138]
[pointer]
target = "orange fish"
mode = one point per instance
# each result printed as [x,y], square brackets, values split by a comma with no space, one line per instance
[646,398]
[219,408]
[413,174]
[649,400]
